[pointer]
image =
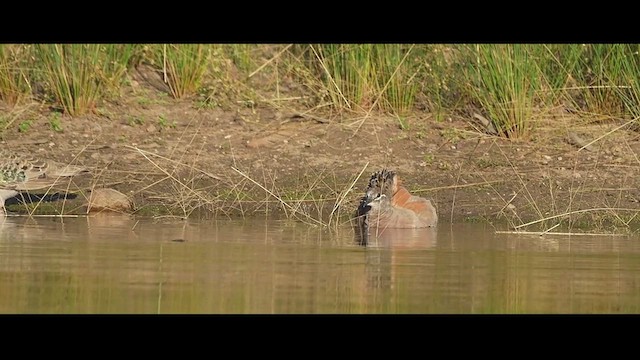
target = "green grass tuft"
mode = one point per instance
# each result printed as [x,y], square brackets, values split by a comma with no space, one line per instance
[505,80]
[14,83]
[184,66]
[79,75]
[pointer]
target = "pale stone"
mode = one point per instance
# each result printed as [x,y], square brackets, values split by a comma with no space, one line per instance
[108,200]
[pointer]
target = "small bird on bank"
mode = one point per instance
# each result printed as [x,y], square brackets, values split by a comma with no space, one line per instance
[24,172]
[387,204]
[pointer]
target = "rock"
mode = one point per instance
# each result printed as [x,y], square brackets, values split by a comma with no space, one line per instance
[108,200]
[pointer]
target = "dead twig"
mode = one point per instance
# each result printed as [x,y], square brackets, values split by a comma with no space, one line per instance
[572,213]
[555,233]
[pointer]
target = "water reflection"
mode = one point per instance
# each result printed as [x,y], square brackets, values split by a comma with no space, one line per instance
[116,264]
[400,238]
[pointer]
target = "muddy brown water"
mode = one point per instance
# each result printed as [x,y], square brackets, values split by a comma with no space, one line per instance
[122,265]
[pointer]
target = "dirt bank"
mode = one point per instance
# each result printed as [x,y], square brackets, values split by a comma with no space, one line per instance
[172,156]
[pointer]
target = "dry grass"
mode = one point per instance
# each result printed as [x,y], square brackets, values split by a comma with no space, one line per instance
[180,184]
[237,193]
[566,206]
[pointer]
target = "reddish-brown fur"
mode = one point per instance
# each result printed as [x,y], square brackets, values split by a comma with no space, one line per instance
[402,198]
[400,209]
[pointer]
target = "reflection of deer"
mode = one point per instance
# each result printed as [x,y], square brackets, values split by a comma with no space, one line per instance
[19,173]
[388,205]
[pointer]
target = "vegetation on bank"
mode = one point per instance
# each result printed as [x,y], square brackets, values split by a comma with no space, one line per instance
[508,85]
[503,89]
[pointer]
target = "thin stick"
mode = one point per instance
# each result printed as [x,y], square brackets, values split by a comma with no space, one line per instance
[164,64]
[47,215]
[455,192]
[508,202]
[609,132]
[290,98]
[269,61]
[132,172]
[154,183]
[459,186]
[555,233]
[549,229]
[574,212]
[591,87]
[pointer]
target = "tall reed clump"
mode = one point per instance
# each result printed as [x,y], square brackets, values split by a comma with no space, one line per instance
[366,76]
[395,71]
[620,72]
[559,66]
[79,74]
[242,55]
[440,78]
[117,59]
[603,76]
[183,66]
[505,80]
[14,83]
[345,71]
[630,73]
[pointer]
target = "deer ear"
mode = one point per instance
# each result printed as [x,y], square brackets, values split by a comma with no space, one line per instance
[396,183]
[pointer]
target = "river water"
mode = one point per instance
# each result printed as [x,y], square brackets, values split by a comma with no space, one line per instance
[116,264]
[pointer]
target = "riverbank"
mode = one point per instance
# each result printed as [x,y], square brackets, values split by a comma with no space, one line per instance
[175,157]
